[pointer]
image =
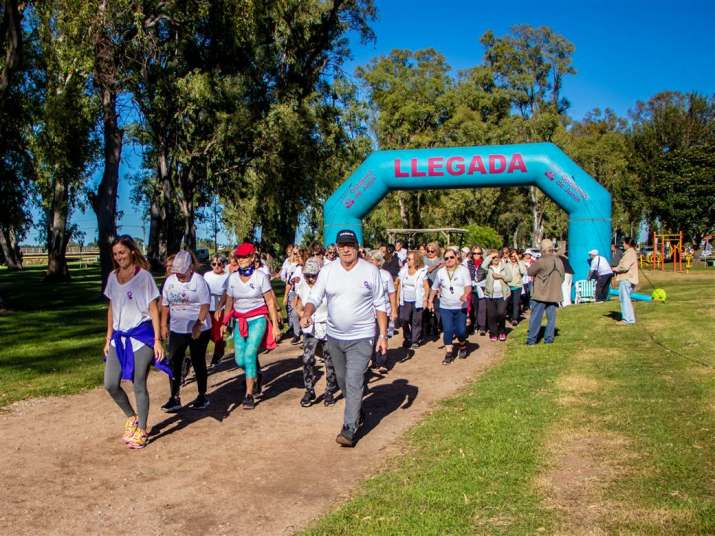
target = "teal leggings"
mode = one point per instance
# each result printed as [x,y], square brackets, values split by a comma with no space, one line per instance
[246,349]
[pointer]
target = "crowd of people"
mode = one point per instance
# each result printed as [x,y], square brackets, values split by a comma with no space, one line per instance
[344,303]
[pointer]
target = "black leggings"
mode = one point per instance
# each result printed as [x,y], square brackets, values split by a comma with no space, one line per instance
[496,316]
[178,342]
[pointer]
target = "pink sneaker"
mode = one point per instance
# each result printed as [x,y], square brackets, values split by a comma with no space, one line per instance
[502,337]
[493,339]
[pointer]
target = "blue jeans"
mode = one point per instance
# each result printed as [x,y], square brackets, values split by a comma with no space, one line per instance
[454,322]
[624,296]
[537,312]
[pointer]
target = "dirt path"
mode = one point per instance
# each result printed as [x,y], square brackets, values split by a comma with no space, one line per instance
[271,471]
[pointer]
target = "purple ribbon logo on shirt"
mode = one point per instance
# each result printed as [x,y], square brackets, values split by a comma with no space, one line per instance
[129,295]
[366,285]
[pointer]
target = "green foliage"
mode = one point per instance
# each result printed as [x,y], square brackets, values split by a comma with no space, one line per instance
[483,236]
[673,144]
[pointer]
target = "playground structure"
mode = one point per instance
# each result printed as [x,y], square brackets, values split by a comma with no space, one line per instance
[544,165]
[667,246]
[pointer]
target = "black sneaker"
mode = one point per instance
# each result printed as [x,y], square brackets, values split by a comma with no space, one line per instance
[329,399]
[361,418]
[415,345]
[258,384]
[345,438]
[462,353]
[172,405]
[482,333]
[308,399]
[248,402]
[295,340]
[448,358]
[201,402]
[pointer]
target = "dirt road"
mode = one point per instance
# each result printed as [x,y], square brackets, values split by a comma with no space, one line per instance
[64,469]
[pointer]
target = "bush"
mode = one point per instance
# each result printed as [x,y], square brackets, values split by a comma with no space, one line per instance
[483,236]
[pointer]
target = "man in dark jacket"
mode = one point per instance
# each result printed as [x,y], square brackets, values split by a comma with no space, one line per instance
[548,275]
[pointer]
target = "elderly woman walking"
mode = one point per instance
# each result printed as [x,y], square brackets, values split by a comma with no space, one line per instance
[413,294]
[498,293]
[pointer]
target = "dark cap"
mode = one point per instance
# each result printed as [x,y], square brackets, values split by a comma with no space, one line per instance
[346,236]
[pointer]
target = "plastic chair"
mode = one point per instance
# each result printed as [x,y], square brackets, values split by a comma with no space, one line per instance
[585,291]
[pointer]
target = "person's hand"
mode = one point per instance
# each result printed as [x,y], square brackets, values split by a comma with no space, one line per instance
[463,298]
[469,321]
[305,321]
[158,350]
[430,306]
[106,348]
[218,315]
[381,345]
[425,305]
[222,330]
[164,333]
[196,330]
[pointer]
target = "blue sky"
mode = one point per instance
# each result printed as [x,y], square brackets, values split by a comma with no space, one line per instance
[626,51]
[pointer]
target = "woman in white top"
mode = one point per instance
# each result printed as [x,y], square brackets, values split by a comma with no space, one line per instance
[413,292]
[185,301]
[133,336]
[379,359]
[250,299]
[293,271]
[454,286]
[217,280]
[497,291]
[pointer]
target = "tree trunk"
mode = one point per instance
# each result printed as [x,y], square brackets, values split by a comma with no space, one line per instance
[10,249]
[154,231]
[104,202]
[11,40]
[537,217]
[57,235]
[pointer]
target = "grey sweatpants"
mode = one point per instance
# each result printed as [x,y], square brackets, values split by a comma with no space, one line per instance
[351,359]
[113,377]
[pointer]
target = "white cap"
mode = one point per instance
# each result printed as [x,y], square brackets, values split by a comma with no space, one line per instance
[182,262]
[593,252]
[465,249]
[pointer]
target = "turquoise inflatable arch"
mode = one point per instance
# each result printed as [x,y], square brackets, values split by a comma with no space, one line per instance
[587,203]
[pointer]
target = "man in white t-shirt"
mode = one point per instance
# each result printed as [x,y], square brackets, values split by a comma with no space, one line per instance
[353,288]
[602,272]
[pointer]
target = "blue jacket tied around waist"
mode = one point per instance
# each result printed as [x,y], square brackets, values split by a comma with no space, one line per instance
[144,333]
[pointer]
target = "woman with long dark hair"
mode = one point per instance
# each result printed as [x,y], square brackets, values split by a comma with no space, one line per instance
[133,339]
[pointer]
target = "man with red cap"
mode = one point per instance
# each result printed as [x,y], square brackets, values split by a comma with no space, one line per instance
[353,288]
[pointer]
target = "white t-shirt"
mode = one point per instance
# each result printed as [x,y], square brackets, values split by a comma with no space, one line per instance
[249,295]
[600,266]
[402,255]
[218,283]
[320,316]
[353,298]
[451,288]
[184,301]
[388,286]
[409,286]
[286,269]
[130,301]
[264,268]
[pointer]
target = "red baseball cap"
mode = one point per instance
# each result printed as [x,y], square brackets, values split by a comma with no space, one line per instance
[244,249]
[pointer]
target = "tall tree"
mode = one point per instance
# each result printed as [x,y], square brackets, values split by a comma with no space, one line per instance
[673,144]
[531,64]
[111,30]
[64,144]
[17,96]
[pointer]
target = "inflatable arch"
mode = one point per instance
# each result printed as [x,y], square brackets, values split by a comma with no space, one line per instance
[587,203]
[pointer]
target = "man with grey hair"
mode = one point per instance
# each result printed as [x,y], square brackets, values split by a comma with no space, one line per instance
[355,297]
[547,274]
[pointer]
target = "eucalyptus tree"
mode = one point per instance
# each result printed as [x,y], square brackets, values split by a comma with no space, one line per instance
[531,64]
[64,143]
[17,96]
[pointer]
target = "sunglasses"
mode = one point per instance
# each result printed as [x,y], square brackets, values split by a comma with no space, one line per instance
[431,250]
[216,264]
[476,252]
[449,257]
[310,276]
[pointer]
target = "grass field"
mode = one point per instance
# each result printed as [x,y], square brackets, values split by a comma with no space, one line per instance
[608,431]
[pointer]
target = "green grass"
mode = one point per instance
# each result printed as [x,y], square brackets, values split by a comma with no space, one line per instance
[52,335]
[473,466]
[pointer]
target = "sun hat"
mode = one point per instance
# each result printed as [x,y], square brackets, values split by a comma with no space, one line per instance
[593,252]
[312,266]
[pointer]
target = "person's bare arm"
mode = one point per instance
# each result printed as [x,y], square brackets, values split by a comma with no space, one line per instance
[156,324]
